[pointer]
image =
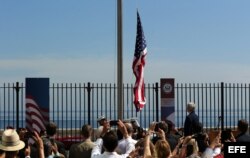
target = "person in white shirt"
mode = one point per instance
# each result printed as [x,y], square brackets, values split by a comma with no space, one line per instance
[109,141]
[127,145]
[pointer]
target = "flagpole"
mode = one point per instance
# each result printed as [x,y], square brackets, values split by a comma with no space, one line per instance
[119,61]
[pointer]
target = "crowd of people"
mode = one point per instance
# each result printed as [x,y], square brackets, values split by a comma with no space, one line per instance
[124,139]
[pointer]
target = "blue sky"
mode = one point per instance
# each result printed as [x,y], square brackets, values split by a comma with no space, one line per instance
[193,41]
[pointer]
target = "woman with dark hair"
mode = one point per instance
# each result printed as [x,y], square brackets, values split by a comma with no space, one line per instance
[201,137]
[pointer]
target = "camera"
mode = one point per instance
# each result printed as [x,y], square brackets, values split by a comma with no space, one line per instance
[226,135]
[156,126]
[113,122]
[162,125]
[52,140]
[29,134]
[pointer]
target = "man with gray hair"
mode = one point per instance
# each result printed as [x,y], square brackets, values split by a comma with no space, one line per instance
[191,120]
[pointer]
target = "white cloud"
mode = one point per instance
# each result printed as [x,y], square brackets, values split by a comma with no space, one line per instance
[84,70]
[199,72]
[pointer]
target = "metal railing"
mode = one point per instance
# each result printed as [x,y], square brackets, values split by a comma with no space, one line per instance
[219,105]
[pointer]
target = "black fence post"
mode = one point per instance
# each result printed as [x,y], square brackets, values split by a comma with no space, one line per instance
[89,90]
[222,105]
[17,88]
[157,101]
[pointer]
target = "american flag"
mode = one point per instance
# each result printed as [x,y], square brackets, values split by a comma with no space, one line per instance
[138,66]
[37,104]
[36,117]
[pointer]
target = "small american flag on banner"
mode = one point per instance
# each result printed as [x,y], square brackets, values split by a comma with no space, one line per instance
[138,66]
[37,103]
[36,117]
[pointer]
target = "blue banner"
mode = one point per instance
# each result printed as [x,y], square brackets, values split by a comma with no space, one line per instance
[37,103]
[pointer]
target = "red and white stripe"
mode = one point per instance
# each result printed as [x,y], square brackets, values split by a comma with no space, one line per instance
[138,69]
[36,117]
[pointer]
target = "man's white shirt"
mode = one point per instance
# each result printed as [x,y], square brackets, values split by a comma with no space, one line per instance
[96,151]
[125,146]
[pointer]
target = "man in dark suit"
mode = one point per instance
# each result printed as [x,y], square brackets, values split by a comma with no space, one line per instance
[191,121]
[242,128]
